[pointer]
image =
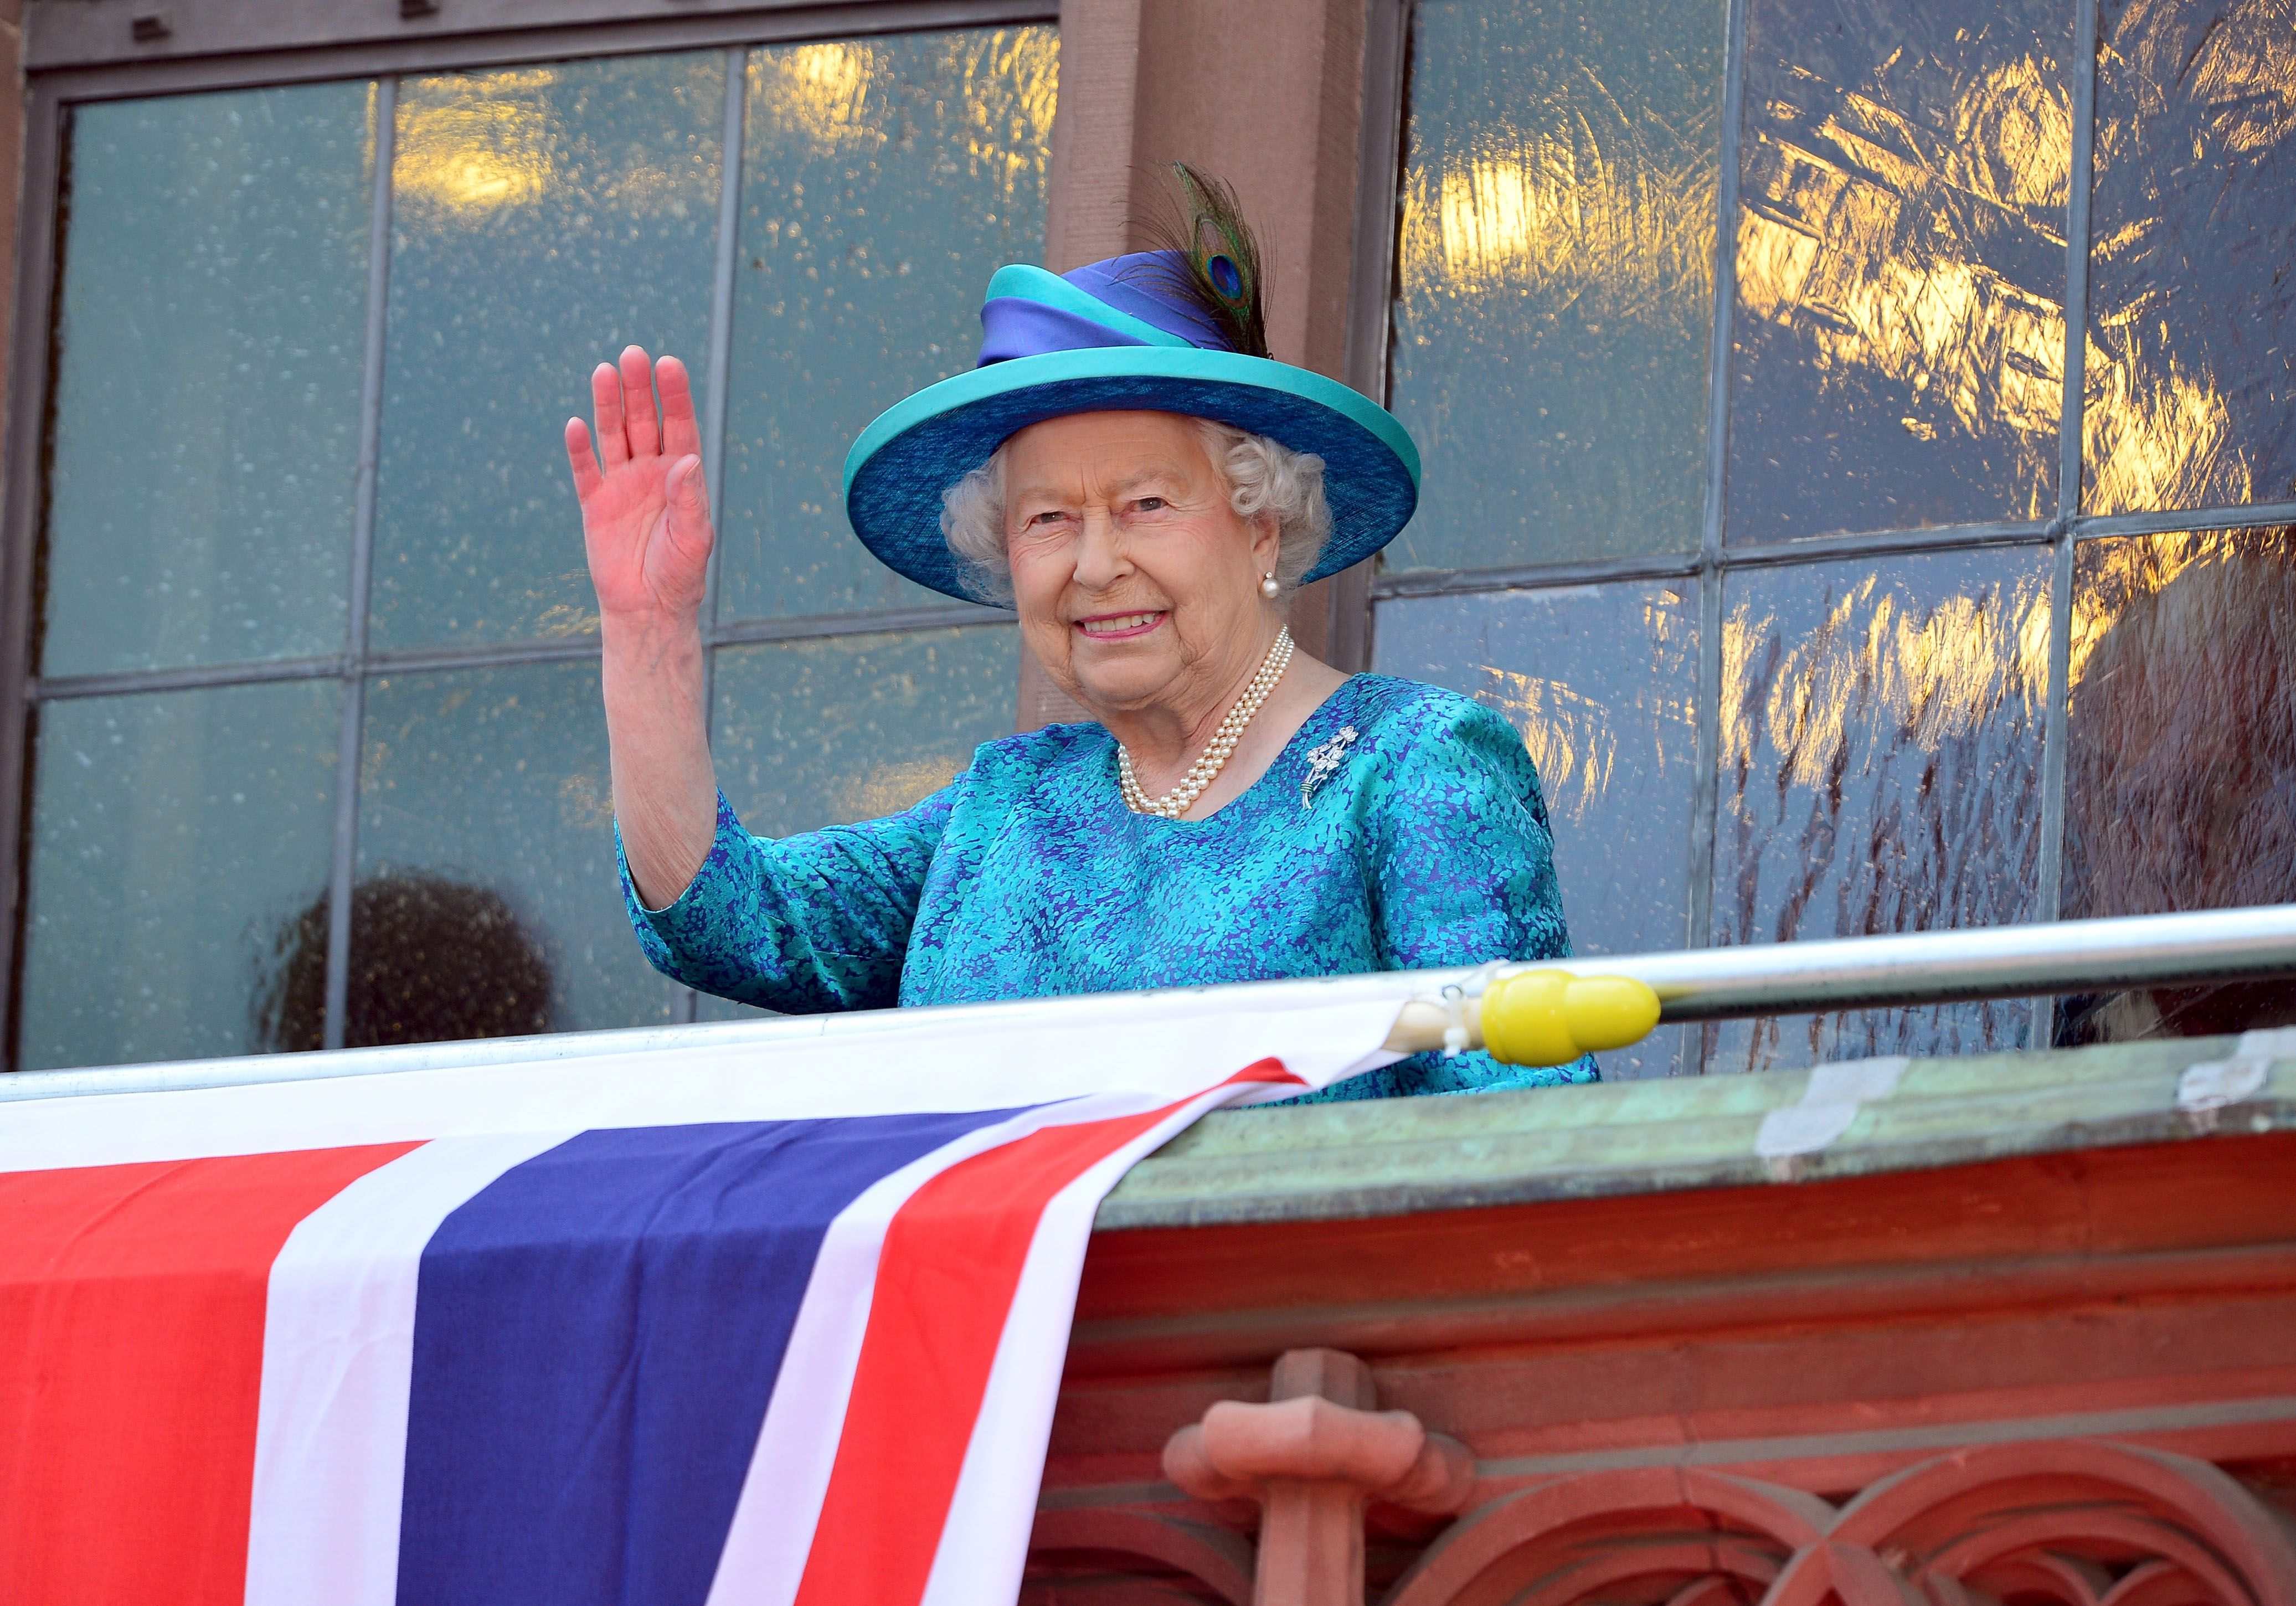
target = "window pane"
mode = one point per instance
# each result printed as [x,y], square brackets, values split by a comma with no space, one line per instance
[210,336]
[544,217]
[1602,681]
[1881,773]
[822,733]
[176,837]
[2192,388]
[1899,354]
[1557,278]
[2180,769]
[495,780]
[883,182]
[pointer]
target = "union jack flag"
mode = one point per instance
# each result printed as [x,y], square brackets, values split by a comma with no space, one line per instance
[774,1321]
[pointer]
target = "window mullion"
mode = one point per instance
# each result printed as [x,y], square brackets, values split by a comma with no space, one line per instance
[2051,895]
[721,299]
[720,374]
[1707,794]
[344,865]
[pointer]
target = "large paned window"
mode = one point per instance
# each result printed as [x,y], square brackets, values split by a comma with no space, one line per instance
[1861,441]
[316,754]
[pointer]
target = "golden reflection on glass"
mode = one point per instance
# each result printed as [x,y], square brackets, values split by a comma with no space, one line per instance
[1573,735]
[1565,217]
[1880,737]
[1816,240]
[1900,264]
[544,218]
[470,144]
[473,142]
[2190,394]
[819,89]
[1556,266]
[1933,673]
[1567,733]
[883,182]
[1601,683]
[2180,768]
[1005,81]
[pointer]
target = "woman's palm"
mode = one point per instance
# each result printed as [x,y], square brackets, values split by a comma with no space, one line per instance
[645,515]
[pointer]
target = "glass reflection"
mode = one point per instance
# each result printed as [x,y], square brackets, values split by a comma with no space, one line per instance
[209,341]
[883,182]
[494,781]
[1899,326]
[544,217]
[2190,389]
[1880,757]
[434,960]
[821,732]
[810,733]
[1556,278]
[1602,682]
[2180,766]
[173,834]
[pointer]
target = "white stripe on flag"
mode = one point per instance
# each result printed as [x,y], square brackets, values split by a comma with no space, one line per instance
[883,1062]
[984,1544]
[337,1364]
[772,1533]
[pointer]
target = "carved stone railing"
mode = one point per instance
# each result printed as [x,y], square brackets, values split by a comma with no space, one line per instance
[2017,1330]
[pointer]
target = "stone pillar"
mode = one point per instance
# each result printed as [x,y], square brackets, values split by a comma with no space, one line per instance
[1145,83]
[1313,1457]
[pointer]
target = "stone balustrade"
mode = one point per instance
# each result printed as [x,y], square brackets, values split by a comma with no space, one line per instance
[2017,1330]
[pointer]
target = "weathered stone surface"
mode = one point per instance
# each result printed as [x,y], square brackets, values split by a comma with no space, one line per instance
[1333,1161]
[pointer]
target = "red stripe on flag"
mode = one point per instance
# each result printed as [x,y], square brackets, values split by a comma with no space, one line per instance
[946,1279]
[131,1364]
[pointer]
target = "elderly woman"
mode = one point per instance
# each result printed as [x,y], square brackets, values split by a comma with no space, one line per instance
[1128,470]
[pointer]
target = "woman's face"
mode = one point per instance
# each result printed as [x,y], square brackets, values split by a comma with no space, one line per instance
[1137,584]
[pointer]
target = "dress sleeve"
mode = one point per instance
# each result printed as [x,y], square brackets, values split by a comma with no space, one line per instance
[1464,856]
[803,924]
[1462,872]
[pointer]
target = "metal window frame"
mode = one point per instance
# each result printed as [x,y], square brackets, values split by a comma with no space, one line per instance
[1385,151]
[71,62]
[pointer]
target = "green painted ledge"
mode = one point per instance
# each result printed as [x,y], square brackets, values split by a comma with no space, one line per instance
[1396,1157]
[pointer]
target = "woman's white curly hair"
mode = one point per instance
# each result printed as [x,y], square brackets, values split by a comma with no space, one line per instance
[1263,477]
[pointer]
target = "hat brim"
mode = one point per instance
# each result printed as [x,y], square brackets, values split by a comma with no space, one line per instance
[904,462]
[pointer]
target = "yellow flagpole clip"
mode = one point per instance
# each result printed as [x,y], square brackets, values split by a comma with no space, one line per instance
[1551,1017]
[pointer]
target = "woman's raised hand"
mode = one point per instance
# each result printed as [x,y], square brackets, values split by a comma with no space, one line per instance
[645,523]
[645,512]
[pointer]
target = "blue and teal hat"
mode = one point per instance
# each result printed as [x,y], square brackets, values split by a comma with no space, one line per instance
[1118,336]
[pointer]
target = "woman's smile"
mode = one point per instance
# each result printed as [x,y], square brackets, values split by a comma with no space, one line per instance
[1118,626]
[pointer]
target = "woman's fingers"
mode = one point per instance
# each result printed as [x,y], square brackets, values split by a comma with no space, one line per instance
[586,477]
[606,406]
[689,504]
[638,419]
[680,432]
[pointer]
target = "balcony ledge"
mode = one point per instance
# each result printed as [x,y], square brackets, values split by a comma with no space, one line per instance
[1334,1162]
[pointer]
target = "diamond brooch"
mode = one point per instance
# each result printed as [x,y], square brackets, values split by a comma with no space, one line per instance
[1324,762]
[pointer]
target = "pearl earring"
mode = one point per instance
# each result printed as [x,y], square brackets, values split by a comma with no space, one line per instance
[1267,586]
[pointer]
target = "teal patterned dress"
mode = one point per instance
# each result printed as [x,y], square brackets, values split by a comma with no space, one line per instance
[1401,828]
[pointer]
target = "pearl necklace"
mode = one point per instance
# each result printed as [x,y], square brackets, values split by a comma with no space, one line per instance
[1177,802]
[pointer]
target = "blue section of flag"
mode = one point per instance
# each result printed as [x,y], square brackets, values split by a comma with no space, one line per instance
[596,1335]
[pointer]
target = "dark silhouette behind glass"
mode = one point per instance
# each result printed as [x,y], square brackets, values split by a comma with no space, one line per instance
[432,961]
